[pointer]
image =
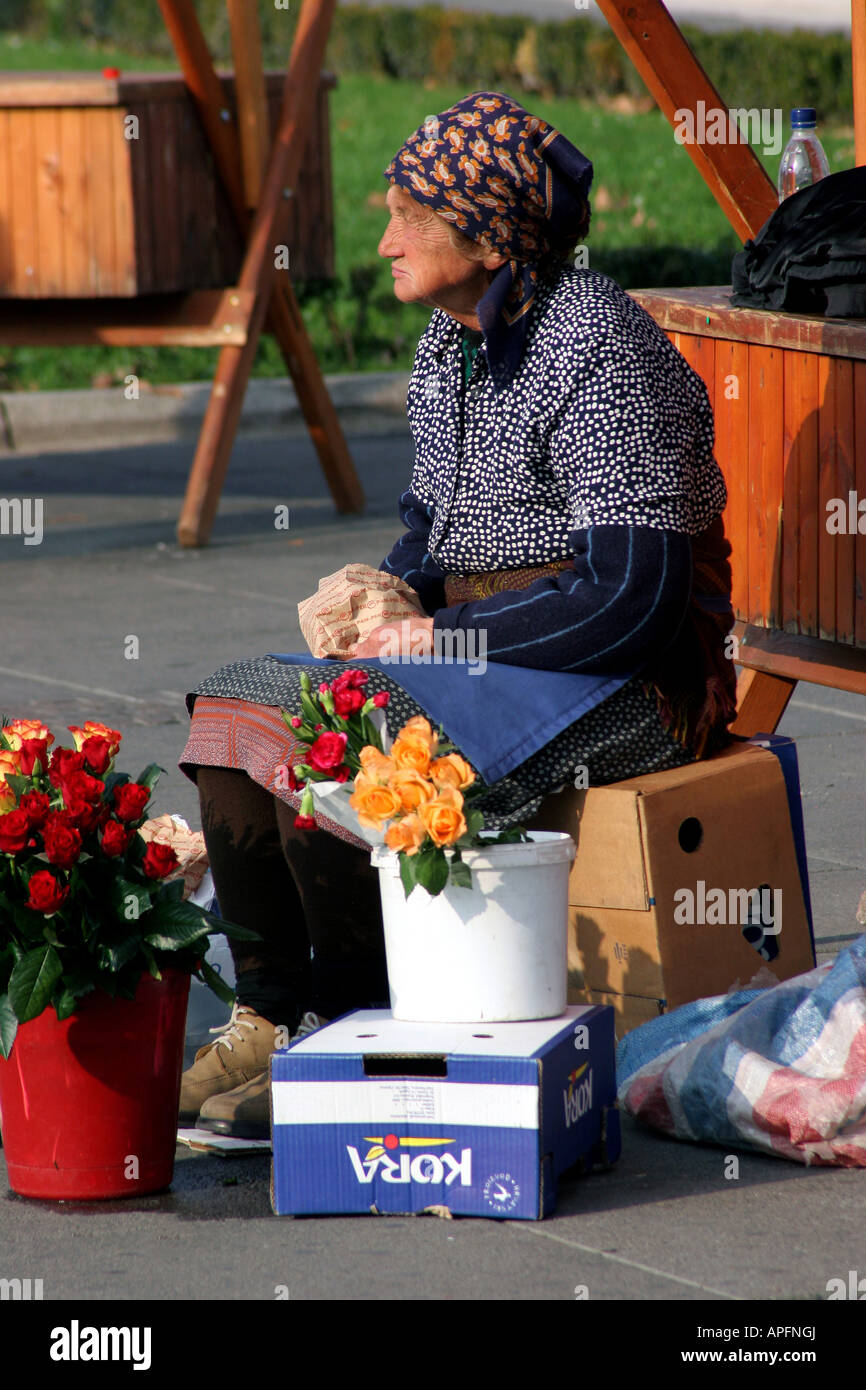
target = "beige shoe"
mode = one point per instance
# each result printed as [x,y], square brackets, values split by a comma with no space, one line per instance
[238,1055]
[244,1113]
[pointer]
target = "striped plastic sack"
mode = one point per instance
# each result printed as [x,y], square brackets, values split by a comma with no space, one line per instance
[782,1070]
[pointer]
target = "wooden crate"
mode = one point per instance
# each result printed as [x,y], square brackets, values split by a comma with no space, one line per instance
[86,211]
[789,397]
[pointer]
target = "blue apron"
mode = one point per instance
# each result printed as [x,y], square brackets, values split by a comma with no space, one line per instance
[499,716]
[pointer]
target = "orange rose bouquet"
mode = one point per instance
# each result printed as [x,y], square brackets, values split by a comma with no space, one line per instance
[85,901]
[416,794]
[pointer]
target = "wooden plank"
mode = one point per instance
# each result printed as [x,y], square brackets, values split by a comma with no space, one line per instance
[99,133]
[801,658]
[858,72]
[142,199]
[761,701]
[860,485]
[687,311]
[198,319]
[845,480]
[22,166]
[765,482]
[732,452]
[732,171]
[6,206]
[808,468]
[74,209]
[49,229]
[250,97]
[827,384]
[124,214]
[799,493]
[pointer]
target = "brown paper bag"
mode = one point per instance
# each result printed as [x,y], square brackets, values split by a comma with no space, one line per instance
[350,604]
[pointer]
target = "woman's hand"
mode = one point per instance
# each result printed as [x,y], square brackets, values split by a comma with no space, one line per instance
[413,637]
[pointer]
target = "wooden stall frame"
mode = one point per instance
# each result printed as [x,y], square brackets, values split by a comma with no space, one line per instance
[771,660]
[259,177]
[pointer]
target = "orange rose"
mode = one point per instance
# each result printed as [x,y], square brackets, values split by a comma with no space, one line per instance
[9,762]
[373,803]
[375,764]
[420,727]
[20,729]
[412,789]
[443,818]
[94,729]
[407,834]
[452,771]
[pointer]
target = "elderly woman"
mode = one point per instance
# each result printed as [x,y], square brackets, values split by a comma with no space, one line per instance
[565,505]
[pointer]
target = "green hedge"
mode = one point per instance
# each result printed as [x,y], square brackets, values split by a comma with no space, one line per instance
[574,57]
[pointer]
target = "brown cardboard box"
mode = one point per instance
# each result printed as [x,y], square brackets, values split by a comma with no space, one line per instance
[650,851]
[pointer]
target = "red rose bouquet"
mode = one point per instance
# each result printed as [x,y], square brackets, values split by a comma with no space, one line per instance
[85,900]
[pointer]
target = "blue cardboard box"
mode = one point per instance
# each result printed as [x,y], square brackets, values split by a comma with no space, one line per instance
[371,1114]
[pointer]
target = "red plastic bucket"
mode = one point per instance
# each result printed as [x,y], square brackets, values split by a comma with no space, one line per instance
[89,1105]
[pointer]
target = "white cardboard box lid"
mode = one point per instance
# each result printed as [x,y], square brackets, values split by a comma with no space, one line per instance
[374,1031]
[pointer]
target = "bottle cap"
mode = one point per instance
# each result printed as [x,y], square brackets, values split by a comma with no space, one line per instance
[111,72]
[803,115]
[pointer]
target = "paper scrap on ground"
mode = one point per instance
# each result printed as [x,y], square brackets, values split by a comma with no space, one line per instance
[203,1141]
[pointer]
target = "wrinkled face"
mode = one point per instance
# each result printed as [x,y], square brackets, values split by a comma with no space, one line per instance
[426,267]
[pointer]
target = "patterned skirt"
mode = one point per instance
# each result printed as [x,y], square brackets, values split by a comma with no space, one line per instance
[236,723]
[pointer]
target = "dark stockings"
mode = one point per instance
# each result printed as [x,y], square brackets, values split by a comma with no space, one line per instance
[299,890]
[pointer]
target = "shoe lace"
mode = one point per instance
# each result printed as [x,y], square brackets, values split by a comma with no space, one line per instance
[232,1029]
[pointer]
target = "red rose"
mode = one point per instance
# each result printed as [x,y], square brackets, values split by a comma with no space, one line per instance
[348,702]
[14,831]
[46,893]
[130,800]
[305,823]
[84,817]
[80,786]
[342,774]
[327,752]
[350,680]
[62,841]
[63,762]
[36,805]
[381,700]
[31,751]
[96,751]
[159,860]
[115,838]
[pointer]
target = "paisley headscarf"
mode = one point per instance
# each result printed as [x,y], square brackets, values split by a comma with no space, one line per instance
[505,178]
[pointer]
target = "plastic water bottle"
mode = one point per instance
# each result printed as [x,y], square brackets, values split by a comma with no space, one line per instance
[803,159]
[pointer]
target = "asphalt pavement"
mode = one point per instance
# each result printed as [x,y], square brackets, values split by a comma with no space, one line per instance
[666,1223]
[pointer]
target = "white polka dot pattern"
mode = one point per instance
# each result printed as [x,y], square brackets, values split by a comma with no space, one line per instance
[604,423]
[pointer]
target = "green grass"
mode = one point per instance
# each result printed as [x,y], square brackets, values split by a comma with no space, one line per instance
[654,222]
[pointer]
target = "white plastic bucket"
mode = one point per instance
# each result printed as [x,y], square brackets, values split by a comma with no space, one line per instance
[492,953]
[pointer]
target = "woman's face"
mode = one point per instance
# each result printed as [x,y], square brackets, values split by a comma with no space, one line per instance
[426,267]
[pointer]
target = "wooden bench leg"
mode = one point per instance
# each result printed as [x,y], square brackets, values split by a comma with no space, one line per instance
[761,701]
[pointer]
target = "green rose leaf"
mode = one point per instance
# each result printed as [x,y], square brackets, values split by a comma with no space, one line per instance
[407,872]
[32,982]
[432,870]
[460,875]
[8,1026]
[18,783]
[150,776]
[130,900]
[65,1005]
[215,982]
[174,924]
